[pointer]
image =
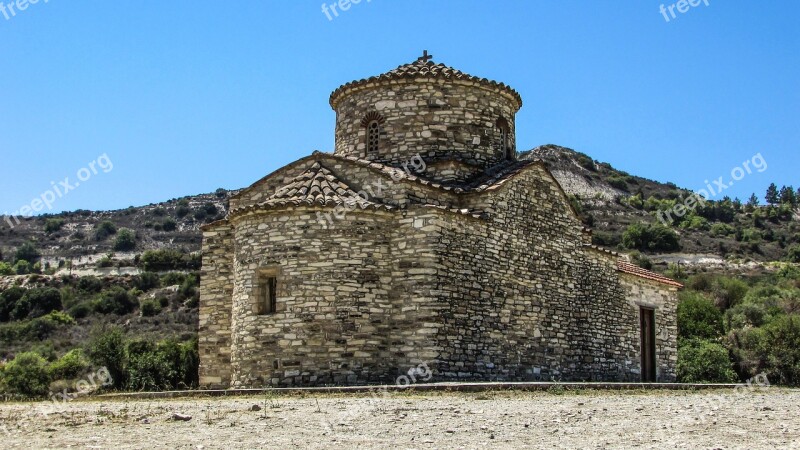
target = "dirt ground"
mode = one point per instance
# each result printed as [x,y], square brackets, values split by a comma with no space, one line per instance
[723,419]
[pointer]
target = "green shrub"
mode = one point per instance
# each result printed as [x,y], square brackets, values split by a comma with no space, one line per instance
[53,225]
[103,230]
[168,259]
[26,375]
[70,366]
[125,240]
[650,238]
[618,182]
[27,252]
[90,284]
[147,281]
[166,365]
[107,349]
[182,211]
[728,291]
[698,318]
[701,361]
[22,267]
[6,269]
[169,224]
[793,253]
[115,301]
[721,230]
[173,278]
[149,307]
[37,302]
[81,310]
[8,300]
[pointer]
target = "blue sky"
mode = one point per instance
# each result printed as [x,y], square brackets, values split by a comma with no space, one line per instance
[188,96]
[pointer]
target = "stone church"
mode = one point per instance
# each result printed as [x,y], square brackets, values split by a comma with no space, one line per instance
[422,239]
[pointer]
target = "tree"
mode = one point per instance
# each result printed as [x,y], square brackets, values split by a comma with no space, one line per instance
[104,229]
[787,196]
[752,202]
[698,317]
[27,252]
[27,375]
[108,350]
[772,194]
[125,241]
[649,237]
[53,225]
[701,361]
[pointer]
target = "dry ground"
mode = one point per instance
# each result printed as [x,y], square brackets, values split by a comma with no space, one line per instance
[590,419]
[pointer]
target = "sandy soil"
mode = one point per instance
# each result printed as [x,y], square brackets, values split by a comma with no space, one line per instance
[711,419]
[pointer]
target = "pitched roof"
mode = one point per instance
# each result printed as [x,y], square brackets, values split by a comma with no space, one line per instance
[421,69]
[315,186]
[632,269]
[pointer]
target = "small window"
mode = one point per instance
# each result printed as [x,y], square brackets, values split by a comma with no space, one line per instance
[267,294]
[505,145]
[373,137]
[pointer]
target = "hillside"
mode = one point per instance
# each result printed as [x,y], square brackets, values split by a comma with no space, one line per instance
[609,201]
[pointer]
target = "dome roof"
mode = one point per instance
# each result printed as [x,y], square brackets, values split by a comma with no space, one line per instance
[422,68]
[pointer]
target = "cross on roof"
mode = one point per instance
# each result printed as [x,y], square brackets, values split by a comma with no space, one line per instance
[425,56]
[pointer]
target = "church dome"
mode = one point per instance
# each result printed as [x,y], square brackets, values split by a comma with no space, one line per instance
[458,123]
[422,68]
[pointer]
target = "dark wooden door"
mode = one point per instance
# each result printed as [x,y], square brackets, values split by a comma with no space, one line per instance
[648,340]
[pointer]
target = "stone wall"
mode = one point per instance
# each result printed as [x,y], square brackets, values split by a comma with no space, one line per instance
[436,118]
[216,295]
[514,295]
[641,292]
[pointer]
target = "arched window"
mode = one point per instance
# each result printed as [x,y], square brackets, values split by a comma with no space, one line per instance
[372,122]
[373,137]
[505,143]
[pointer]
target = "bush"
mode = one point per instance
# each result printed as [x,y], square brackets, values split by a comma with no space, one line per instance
[793,253]
[701,361]
[147,281]
[149,308]
[27,252]
[166,365]
[26,375]
[618,182]
[728,291]
[107,349]
[115,301]
[650,238]
[81,310]
[104,229]
[37,302]
[169,225]
[125,241]
[8,300]
[182,211]
[6,269]
[698,318]
[70,366]
[173,278]
[90,284]
[53,225]
[167,259]
[22,267]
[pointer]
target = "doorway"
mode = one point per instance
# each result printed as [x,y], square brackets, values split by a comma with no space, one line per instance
[648,339]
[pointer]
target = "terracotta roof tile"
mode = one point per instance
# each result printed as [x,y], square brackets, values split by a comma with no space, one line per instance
[632,269]
[422,69]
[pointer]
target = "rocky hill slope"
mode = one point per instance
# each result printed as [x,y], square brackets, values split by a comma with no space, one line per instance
[609,201]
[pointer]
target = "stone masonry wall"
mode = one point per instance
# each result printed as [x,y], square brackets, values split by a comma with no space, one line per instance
[641,292]
[342,318]
[216,295]
[435,118]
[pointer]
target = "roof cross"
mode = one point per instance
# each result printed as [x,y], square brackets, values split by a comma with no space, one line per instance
[425,56]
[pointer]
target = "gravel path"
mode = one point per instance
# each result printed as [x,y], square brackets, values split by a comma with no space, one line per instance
[588,419]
